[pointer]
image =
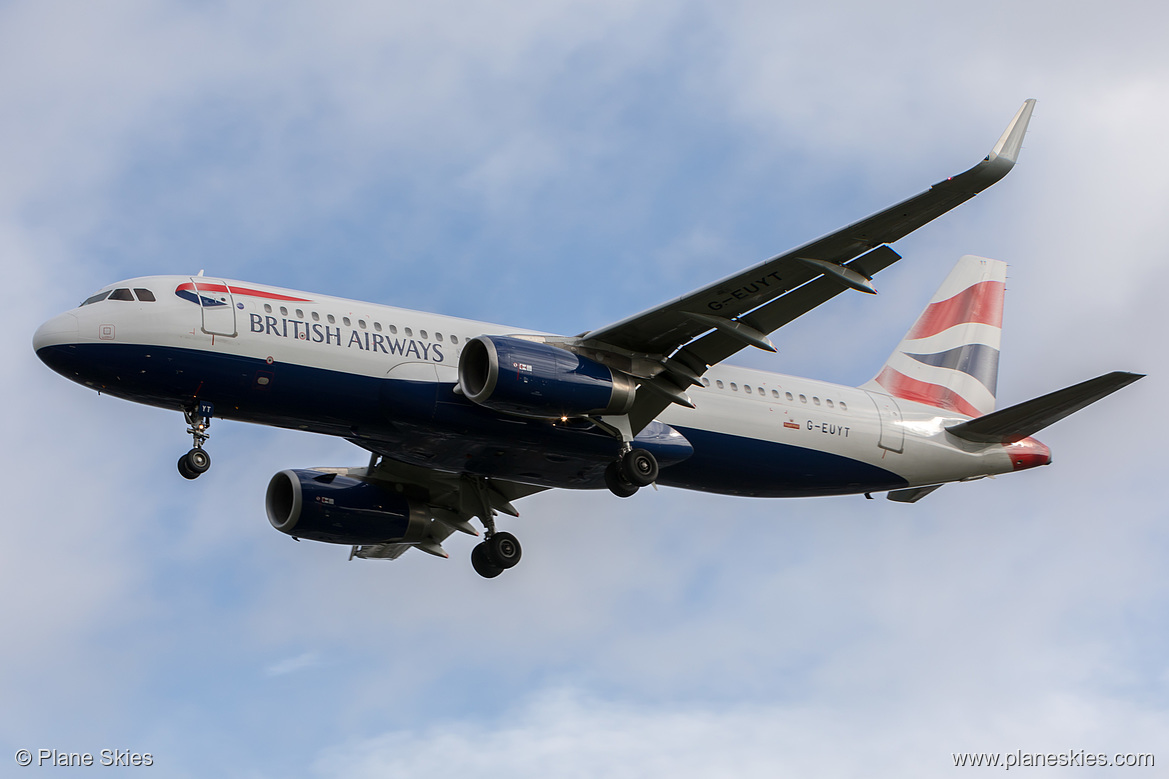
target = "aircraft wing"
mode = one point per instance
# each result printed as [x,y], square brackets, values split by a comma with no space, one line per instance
[450,500]
[741,309]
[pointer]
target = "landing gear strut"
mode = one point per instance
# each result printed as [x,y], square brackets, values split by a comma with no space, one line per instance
[498,551]
[197,461]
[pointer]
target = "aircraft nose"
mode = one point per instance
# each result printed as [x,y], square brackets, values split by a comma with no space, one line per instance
[1028,453]
[61,329]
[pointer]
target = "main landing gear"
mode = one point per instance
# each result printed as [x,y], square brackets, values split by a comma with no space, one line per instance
[498,551]
[633,468]
[197,461]
[495,555]
[636,468]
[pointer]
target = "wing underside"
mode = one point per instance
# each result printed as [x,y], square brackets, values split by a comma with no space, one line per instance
[450,500]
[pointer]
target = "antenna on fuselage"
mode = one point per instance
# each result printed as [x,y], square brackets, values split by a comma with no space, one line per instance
[200,273]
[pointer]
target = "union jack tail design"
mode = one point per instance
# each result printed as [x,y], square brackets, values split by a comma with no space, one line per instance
[950,357]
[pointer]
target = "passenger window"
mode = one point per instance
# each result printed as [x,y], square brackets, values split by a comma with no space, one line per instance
[438,337]
[454,339]
[775,393]
[393,329]
[267,308]
[734,387]
[361,323]
[332,319]
[299,314]
[96,298]
[719,382]
[747,388]
[843,406]
[706,382]
[316,317]
[284,311]
[803,398]
[816,400]
[829,402]
[345,319]
[409,333]
[377,326]
[145,295]
[121,294]
[788,395]
[422,335]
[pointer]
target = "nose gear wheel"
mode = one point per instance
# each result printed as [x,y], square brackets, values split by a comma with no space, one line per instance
[197,461]
[194,463]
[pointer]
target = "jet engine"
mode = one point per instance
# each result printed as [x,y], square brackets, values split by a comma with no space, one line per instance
[341,510]
[533,379]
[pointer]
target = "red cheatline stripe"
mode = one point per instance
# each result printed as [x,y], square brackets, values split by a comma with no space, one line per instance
[206,287]
[901,386]
[980,303]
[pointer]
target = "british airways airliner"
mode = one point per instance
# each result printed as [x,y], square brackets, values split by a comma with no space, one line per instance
[462,418]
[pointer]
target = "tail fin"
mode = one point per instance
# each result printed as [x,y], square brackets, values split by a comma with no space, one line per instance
[950,357]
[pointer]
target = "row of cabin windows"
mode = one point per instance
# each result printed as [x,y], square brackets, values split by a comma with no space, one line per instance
[144,295]
[775,394]
[361,323]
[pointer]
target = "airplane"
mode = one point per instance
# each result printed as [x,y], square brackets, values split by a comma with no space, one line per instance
[462,418]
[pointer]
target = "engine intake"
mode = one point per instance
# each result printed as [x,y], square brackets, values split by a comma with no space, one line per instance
[534,379]
[339,509]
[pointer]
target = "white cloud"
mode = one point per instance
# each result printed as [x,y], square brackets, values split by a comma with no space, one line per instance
[563,733]
[293,664]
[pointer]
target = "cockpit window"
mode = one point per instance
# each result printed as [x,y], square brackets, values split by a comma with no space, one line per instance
[96,298]
[121,294]
[145,295]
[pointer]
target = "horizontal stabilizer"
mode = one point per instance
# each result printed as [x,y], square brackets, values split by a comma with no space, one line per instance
[1028,418]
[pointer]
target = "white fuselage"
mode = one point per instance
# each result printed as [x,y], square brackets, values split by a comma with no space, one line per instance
[385,377]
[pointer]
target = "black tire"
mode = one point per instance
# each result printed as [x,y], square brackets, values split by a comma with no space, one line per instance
[198,461]
[639,467]
[616,482]
[482,563]
[184,470]
[504,550]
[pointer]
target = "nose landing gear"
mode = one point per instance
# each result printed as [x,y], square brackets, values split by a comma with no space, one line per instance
[194,463]
[197,461]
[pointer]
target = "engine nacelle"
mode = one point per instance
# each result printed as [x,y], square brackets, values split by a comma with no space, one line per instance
[341,510]
[533,379]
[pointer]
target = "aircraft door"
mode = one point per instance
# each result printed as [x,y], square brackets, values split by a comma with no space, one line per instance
[218,306]
[892,432]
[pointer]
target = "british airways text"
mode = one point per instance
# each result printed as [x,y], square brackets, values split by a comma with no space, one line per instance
[317,333]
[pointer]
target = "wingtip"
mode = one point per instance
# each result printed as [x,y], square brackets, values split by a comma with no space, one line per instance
[1124,378]
[1001,159]
[1011,141]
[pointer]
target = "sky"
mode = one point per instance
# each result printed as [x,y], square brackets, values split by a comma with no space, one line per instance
[560,165]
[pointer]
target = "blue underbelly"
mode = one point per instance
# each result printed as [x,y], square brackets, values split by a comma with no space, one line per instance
[736,465]
[429,425]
